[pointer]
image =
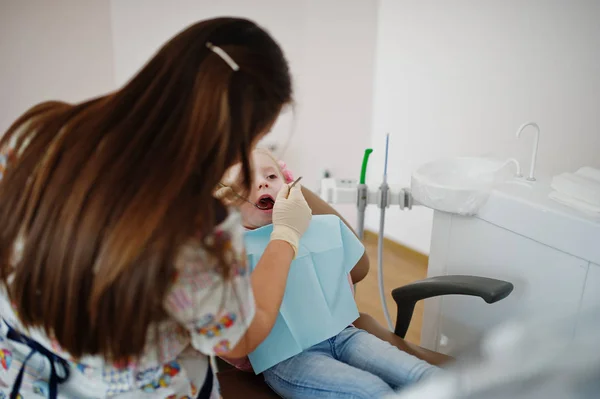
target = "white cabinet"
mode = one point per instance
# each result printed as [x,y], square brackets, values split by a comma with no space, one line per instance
[547,277]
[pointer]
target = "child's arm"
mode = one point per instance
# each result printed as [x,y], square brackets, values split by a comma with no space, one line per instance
[320,207]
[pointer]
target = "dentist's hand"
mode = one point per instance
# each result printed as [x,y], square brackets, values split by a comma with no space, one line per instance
[291,216]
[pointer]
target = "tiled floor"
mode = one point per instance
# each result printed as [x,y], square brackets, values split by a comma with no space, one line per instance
[398,269]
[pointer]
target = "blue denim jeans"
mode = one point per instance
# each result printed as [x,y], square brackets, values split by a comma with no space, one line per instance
[352,364]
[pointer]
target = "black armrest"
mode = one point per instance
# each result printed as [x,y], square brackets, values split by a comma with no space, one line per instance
[406,297]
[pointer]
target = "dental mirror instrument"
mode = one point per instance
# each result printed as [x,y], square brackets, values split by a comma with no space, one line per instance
[263,204]
[262,207]
[295,181]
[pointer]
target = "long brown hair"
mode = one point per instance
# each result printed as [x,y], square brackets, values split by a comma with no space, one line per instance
[102,194]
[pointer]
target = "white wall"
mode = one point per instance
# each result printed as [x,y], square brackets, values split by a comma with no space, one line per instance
[330,46]
[58,49]
[459,77]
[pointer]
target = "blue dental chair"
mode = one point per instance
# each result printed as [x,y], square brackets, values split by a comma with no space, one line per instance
[237,384]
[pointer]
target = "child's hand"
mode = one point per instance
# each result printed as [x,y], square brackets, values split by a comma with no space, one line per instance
[225,190]
[225,195]
[291,216]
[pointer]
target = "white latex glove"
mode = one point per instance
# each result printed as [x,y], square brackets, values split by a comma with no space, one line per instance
[291,216]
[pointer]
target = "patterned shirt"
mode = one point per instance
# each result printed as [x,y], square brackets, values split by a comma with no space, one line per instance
[207,317]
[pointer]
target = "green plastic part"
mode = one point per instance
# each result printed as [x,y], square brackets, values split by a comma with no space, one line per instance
[363,170]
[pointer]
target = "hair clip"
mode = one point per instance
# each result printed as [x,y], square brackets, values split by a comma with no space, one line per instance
[221,53]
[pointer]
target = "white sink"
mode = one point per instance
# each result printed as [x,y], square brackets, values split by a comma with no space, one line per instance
[458,185]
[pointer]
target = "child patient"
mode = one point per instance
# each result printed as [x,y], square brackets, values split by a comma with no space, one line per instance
[351,364]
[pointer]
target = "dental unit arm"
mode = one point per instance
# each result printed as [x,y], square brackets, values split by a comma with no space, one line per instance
[348,191]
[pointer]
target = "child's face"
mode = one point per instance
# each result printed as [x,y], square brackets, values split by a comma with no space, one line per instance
[266,183]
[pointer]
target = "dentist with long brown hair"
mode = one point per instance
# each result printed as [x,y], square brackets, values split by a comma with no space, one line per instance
[120,273]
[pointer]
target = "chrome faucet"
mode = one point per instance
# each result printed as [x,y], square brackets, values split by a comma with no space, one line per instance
[536,142]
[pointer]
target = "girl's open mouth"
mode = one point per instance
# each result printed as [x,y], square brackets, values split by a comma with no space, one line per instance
[265,202]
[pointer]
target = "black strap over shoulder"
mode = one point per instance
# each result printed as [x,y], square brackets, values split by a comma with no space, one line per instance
[207,388]
[56,378]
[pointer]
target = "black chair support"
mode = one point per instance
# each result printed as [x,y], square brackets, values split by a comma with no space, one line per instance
[406,297]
